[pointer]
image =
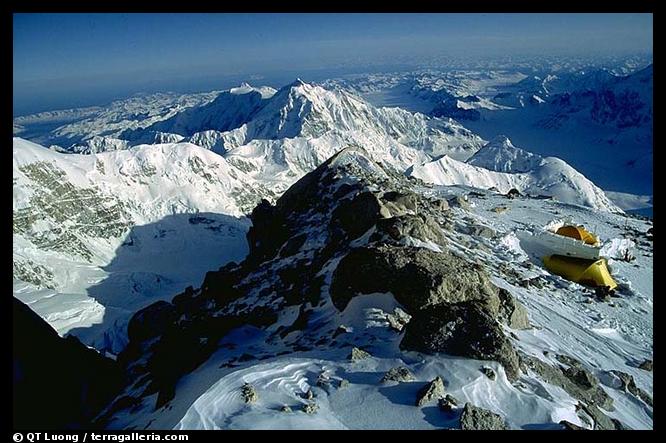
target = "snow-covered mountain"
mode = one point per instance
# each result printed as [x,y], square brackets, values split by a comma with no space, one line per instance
[331,258]
[599,123]
[96,236]
[74,128]
[619,102]
[502,166]
[364,291]
[598,119]
[66,249]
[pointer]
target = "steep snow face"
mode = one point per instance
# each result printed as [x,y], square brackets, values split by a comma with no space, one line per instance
[502,166]
[501,156]
[96,236]
[229,110]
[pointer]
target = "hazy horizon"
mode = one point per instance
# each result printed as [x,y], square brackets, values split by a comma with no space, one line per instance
[69,60]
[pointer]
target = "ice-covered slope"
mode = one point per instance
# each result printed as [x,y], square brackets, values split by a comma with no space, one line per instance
[502,166]
[96,236]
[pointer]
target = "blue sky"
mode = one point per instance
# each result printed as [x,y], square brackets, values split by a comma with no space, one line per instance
[78,59]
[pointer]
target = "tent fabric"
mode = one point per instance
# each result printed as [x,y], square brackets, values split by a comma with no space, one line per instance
[579,233]
[586,272]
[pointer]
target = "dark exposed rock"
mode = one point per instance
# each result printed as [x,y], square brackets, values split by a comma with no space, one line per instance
[249,393]
[448,403]
[514,312]
[399,374]
[628,384]
[418,277]
[601,420]
[513,193]
[310,408]
[475,418]
[342,329]
[568,426]
[646,365]
[292,245]
[459,202]
[324,380]
[299,324]
[454,305]
[476,230]
[151,321]
[432,391]
[285,408]
[398,319]
[463,329]
[398,202]
[57,383]
[420,227]
[489,372]
[439,204]
[355,216]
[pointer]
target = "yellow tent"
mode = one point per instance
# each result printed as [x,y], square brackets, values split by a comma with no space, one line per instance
[579,233]
[586,272]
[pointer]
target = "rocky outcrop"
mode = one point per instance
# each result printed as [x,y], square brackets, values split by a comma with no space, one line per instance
[571,376]
[432,391]
[448,403]
[358,354]
[420,227]
[350,218]
[398,374]
[627,383]
[646,365]
[568,426]
[249,393]
[464,329]
[478,419]
[398,319]
[489,372]
[310,408]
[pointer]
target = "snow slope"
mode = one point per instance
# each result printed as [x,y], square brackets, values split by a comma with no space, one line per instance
[502,166]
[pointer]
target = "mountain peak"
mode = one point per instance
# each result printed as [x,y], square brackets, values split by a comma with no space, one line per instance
[501,140]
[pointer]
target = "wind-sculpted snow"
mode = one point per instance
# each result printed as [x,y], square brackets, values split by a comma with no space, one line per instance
[280,383]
